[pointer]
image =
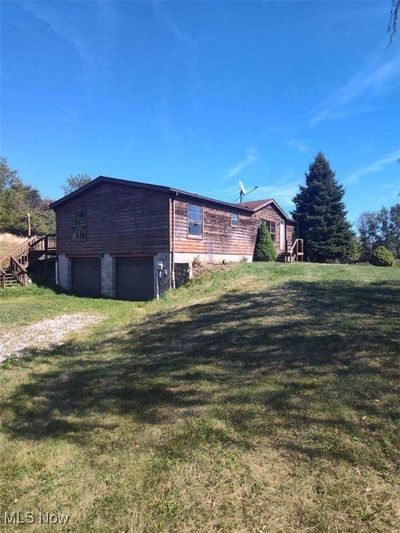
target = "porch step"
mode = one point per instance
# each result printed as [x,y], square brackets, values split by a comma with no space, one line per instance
[9,279]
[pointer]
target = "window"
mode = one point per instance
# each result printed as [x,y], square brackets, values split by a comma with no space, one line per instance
[195,220]
[234,219]
[272,229]
[79,226]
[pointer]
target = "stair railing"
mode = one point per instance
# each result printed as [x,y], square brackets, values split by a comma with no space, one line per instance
[20,253]
[296,251]
[19,271]
[2,278]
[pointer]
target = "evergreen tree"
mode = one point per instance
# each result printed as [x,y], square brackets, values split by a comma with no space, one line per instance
[265,249]
[321,215]
[394,227]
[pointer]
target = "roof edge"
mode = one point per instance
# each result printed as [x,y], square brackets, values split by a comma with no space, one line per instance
[275,203]
[137,184]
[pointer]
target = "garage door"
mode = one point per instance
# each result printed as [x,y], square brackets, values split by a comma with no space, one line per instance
[86,276]
[135,278]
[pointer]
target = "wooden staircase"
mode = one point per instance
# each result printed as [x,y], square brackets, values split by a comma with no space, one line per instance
[14,265]
[294,253]
[8,278]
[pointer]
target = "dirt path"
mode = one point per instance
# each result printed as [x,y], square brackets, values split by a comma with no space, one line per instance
[43,334]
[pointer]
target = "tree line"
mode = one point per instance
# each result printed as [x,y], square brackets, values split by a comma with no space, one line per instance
[379,228]
[17,200]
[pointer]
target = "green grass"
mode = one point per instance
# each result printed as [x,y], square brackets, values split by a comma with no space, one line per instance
[256,398]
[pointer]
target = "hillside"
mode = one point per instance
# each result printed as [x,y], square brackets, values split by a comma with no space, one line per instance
[8,241]
[256,398]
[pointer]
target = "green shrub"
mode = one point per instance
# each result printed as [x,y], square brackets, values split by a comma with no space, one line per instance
[265,249]
[381,256]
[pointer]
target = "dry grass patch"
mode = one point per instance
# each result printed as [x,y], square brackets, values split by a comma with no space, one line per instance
[8,242]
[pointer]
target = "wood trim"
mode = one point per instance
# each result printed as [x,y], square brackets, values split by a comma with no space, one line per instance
[235,226]
[196,237]
[172,243]
[84,254]
[124,254]
[73,214]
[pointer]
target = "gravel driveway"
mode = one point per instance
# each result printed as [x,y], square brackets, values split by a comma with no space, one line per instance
[44,334]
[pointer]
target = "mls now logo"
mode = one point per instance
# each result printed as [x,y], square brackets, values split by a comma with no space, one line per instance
[17,518]
[53,518]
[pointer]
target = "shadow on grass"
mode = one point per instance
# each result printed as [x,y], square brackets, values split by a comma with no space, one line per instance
[313,366]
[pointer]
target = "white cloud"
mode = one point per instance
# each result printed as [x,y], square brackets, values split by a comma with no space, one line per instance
[300,145]
[250,157]
[65,25]
[375,166]
[365,84]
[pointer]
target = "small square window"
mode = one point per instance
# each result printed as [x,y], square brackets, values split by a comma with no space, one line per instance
[234,219]
[79,226]
[195,220]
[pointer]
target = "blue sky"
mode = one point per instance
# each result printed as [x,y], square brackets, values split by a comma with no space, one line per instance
[198,95]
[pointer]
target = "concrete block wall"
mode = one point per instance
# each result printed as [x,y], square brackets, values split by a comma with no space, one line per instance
[64,272]
[211,258]
[108,276]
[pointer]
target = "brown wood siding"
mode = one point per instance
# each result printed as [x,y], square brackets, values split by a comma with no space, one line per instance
[119,220]
[219,237]
[271,214]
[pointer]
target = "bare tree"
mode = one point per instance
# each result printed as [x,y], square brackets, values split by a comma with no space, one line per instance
[75,182]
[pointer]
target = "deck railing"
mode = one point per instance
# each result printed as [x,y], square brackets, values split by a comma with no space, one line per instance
[296,251]
[45,243]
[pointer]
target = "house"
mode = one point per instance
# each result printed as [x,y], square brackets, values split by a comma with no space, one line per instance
[129,240]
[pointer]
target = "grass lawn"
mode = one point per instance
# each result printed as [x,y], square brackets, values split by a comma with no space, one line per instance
[256,398]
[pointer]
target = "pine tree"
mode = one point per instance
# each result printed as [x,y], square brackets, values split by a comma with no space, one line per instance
[264,249]
[321,215]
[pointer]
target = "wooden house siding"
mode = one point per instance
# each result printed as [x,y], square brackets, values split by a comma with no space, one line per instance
[269,213]
[219,236]
[119,220]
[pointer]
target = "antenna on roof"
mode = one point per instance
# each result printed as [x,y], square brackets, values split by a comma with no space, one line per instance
[243,192]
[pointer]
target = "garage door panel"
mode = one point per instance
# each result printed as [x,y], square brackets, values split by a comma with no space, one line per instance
[135,278]
[86,276]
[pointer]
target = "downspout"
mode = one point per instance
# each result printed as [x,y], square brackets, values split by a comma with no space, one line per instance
[56,266]
[173,241]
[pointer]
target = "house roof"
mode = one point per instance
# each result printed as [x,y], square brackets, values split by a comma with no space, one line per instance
[148,186]
[245,207]
[256,205]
